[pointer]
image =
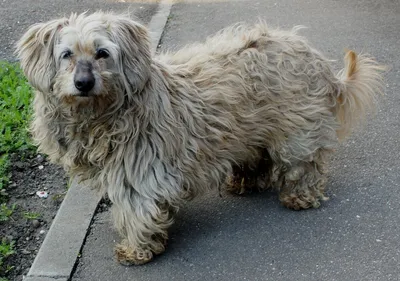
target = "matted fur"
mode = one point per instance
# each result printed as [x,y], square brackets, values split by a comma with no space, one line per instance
[157,131]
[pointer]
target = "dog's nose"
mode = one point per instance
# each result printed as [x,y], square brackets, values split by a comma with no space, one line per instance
[84,79]
[85,83]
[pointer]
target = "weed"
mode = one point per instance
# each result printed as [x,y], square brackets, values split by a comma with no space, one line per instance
[69,182]
[31,215]
[58,196]
[4,178]
[6,212]
[6,250]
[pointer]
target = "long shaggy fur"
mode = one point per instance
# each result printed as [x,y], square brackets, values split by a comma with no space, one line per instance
[157,131]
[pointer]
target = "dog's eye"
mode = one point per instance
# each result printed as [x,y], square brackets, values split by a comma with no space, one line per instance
[102,54]
[66,55]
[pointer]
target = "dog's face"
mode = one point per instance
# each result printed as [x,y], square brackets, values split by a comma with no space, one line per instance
[86,56]
[84,59]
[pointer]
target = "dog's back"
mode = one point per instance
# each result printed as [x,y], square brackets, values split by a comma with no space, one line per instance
[280,68]
[269,92]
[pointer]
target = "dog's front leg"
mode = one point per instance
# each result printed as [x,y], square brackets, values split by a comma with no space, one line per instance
[143,223]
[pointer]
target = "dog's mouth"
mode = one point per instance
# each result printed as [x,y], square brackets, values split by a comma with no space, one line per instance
[84,94]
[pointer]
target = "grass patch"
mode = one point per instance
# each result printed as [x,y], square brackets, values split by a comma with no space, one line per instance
[15,113]
[6,250]
[6,212]
[31,215]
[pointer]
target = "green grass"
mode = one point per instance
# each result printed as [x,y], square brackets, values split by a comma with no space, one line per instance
[6,250]
[6,212]
[15,113]
[31,215]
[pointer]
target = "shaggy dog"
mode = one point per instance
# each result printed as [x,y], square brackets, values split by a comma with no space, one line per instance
[153,132]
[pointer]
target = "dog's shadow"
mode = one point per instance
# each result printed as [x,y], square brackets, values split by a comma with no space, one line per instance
[210,225]
[217,238]
[210,214]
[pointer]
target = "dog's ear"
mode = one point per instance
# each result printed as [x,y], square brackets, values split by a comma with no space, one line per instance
[135,55]
[36,53]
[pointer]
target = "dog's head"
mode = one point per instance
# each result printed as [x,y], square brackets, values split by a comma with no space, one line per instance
[86,56]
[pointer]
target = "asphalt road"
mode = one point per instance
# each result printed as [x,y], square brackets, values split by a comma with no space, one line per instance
[354,236]
[17,15]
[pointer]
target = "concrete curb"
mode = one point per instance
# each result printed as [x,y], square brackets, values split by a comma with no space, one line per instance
[158,22]
[60,249]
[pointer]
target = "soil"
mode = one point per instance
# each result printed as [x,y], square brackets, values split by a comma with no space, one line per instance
[30,175]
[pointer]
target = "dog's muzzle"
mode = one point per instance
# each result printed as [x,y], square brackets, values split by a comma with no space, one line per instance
[84,79]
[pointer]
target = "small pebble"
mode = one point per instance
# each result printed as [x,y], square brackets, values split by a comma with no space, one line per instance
[19,165]
[25,252]
[36,223]
[42,231]
[27,238]
[40,158]
[41,167]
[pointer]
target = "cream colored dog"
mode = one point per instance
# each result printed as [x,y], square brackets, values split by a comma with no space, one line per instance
[155,131]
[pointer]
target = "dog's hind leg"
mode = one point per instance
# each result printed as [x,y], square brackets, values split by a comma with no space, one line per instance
[143,223]
[243,179]
[302,186]
[247,178]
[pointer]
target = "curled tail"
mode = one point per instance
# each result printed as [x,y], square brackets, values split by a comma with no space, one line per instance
[362,82]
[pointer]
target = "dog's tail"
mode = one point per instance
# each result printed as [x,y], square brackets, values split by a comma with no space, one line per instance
[361,84]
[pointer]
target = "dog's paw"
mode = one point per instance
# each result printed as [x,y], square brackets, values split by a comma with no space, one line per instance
[297,201]
[127,255]
[303,191]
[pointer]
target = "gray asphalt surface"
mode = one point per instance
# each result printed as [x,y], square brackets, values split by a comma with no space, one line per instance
[17,15]
[354,236]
